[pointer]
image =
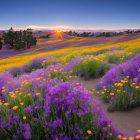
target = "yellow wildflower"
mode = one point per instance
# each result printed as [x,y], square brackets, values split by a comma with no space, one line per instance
[111,94]
[37,94]
[6,104]
[89,132]
[15,107]
[131,138]
[24,117]
[22,103]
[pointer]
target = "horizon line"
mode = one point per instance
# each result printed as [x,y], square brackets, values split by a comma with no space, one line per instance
[64,28]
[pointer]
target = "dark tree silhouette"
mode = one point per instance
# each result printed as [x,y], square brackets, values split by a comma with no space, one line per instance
[0,44]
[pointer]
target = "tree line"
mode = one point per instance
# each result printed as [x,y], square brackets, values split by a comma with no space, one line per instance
[18,39]
[100,34]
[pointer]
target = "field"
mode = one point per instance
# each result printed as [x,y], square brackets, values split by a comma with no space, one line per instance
[72,88]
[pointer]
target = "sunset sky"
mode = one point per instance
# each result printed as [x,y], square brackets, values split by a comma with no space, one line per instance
[70,14]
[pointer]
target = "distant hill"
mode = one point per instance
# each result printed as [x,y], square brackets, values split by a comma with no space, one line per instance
[53,34]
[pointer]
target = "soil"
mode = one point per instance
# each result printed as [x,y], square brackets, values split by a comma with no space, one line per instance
[127,122]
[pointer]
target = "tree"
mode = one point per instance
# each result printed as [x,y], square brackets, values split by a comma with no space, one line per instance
[19,39]
[28,38]
[0,44]
[107,34]
[9,37]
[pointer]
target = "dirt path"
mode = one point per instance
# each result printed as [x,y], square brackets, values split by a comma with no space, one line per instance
[127,122]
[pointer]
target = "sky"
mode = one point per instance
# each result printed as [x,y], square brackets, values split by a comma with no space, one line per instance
[70,14]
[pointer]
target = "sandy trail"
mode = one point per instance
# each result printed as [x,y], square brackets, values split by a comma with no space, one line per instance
[127,122]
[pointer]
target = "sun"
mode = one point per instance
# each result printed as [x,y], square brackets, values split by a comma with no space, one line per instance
[59,33]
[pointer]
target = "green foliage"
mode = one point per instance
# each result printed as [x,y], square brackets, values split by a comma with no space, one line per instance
[19,39]
[96,53]
[125,96]
[113,59]
[91,69]
[32,66]
[16,71]
[21,45]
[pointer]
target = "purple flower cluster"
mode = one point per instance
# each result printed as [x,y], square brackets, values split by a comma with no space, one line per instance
[129,68]
[52,109]
[5,77]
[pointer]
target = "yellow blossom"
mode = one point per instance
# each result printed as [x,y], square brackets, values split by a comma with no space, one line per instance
[124,138]
[112,94]
[37,94]
[89,132]
[131,138]
[6,104]
[15,107]
[22,103]
[24,117]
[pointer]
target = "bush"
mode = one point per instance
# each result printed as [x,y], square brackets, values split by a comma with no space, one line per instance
[15,71]
[21,45]
[91,68]
[33,65]
[121,85]
[113,59]
[96,53]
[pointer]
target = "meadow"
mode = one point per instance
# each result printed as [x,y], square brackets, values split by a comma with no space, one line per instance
[41,98]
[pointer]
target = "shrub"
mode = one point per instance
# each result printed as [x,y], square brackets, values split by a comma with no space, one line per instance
[15,71]
[91,68]
[96,52]
[121,85]
[113,59]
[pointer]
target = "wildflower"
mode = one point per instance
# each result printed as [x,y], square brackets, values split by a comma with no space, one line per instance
[131,138]
[15,107]
[22,103]
[91,92]
[119,136]
[124,138]
[137,87]
[138,137]
[138,131]
[111,94]
[0,103]
[102,92]
[89,132]
[37,94]
[37,79]
[3,90]
[6,104]
[24,117]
